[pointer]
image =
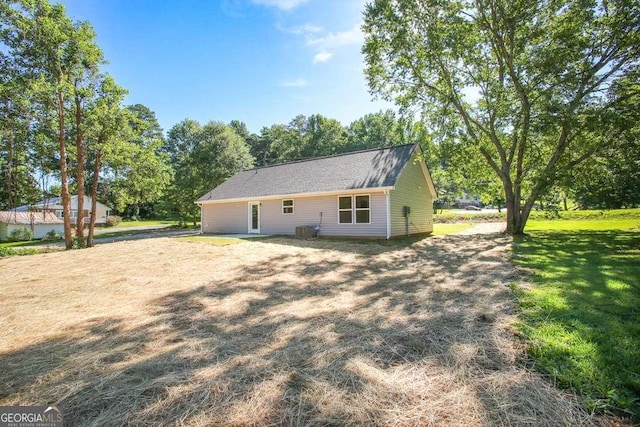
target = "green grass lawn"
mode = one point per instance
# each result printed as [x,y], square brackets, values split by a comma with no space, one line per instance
[146,222]
[22,243]
[439,229]
[582,314]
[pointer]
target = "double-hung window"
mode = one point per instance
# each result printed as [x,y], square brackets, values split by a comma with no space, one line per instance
[363,210]
[345,210]
[354,209]
[287,207]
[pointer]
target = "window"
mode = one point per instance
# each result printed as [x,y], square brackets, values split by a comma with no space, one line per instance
[363,210]
[287,207]
[358,207]
[345,214]
[73,214]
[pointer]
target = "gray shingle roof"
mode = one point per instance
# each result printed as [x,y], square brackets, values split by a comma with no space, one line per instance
[358,170]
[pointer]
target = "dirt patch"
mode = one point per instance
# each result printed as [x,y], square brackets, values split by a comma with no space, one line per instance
[270,332]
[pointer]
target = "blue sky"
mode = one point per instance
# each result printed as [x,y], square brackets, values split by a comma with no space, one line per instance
[258,61]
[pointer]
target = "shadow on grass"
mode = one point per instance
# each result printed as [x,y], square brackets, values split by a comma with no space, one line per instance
[583,313]
[372,335]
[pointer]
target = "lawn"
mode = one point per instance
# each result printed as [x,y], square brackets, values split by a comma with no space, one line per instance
[147,223]
[273,332]
[440,229]
[581,312]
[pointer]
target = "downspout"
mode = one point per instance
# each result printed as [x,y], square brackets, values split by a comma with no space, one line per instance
[388,200]
[201,221]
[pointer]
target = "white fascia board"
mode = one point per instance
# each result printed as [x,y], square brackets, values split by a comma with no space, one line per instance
[295,196]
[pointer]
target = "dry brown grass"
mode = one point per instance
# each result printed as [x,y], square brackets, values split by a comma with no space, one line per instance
[276,332]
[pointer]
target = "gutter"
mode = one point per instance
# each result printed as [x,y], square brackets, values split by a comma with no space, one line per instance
[296,195]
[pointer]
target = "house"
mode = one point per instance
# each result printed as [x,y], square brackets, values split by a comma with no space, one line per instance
[54,205]
[379,193]
[467,200]
[40,223]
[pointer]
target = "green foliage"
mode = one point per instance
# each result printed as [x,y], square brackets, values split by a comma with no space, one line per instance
[528,87]
[112,221]
[581,316]
[52,235]
[54,66]
[202,157]
[20,234]
[4,252]
[139,169]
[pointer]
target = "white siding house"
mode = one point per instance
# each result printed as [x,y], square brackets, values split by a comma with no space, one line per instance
[40,223]
[379,193]
[54,205]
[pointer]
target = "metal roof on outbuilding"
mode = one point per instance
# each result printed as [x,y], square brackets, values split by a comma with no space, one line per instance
[28,218]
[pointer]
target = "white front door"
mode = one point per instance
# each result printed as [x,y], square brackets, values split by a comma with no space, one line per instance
[254,217]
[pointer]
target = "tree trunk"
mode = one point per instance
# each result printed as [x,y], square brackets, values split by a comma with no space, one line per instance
[64,184]
[9,172]
[517,215]
[94,198]
[80,174]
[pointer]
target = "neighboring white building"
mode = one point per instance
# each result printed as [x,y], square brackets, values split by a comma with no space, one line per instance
[54,205]
[40,223]
[463,202]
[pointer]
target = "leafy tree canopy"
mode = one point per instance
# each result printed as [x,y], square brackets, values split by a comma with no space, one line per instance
[527,84]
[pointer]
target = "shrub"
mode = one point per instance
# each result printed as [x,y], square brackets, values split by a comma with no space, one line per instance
[4,252]
[112,221]
[20,234]
[52,235]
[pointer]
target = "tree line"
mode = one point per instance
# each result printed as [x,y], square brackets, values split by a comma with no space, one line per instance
[64,129]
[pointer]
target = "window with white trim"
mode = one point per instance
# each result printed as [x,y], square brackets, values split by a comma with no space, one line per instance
[354,209]
[363,209]
[287,207]
[345,212]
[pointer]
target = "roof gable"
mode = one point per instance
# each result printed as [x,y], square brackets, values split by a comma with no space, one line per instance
[378,168]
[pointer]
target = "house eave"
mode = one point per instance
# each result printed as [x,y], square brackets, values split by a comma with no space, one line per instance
[295,195]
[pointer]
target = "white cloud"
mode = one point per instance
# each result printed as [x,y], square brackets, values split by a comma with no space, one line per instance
[306,30]
[280,4]
[293,83]
[339,39]
[322,57]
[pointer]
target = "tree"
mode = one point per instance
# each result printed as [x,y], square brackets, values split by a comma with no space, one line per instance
[611,178]
[303,138]
[52,55]
[526,84]
[83,78]
[108,130]
[376,130]
[18,185]
[139,169]
[202,158]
